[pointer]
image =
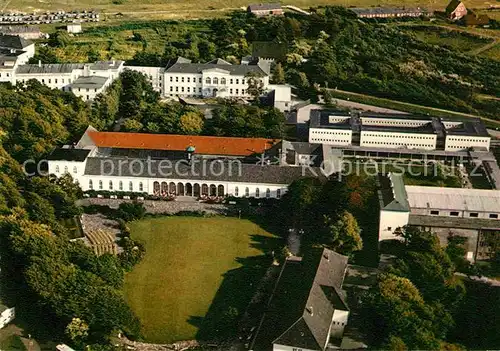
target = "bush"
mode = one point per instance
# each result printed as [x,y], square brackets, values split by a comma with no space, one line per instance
[130,211]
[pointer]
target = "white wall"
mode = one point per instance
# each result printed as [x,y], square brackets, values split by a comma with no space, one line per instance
[330,136]
[389,222]
[189,84]
[394,140]
[7,316]
[339,323]
[462,143]
[155,76]
[278,347]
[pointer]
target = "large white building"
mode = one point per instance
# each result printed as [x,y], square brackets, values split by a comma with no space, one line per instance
[14,51]
[7,315]
[397,132]
[83,79]
[157,164]
[446,211]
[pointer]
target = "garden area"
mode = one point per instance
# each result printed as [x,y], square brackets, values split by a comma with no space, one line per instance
[198,275]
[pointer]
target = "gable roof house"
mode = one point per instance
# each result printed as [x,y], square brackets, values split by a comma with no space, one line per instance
[307,310]
[265,9]
[16,46]
[455,10]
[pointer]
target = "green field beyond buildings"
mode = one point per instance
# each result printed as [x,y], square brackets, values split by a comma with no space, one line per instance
[197,275]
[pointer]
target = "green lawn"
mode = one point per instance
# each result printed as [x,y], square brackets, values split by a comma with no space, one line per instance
[196,273]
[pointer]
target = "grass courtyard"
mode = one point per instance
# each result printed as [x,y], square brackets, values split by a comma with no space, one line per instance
[197,275]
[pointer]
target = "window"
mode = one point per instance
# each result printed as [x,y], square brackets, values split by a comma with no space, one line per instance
[242,81]
[216,80]
[55,80]
[474,214]
[120,185]
[66,169]
[57,169]
[223,81]
[231,81]
[278,193]
[75,169]
[177,79]
[257,192]
[237,81]
[454,213]
[247,192]
[182,79]
[100,185]
[110,185]
[91,186]
[130,186]
[493,215]
[171,79]
[237,91]
[199,80]
[236,191]
[141,188]
[389,228]
[208,80]
[435,213]
[268,193]
[188,79]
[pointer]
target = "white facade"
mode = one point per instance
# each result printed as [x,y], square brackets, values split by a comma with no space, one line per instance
[213,82]
[74,28]
[339,322]
[155,76]
[65,76]
[330,136]
[390,221]
[7,316]
[397,140]
[465,142]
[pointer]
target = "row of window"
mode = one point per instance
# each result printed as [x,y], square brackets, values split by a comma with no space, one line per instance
[398,136]
[332,132]
[329,140]
[208,80]
[400,144]
[257,192]
[471,214]
[75,170]
[473,140]
[193,90]
[391,123]
[120,185]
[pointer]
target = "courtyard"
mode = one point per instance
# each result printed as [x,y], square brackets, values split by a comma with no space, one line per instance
[197,276]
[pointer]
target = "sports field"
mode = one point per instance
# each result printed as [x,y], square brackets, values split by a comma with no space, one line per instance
[197,276]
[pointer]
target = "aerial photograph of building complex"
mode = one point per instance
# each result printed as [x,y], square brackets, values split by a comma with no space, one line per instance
[233,176]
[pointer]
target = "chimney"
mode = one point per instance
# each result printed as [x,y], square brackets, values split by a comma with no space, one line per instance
[310,310]
[39,63]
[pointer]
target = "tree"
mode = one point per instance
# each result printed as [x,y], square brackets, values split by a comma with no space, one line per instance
[191,123]
[400,318]
[255,85]
[278,74]
[132,125]
[343,235]
[298,204]
[77,330]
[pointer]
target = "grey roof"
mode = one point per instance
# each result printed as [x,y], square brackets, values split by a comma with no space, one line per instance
[264,7]
[48,68]
[4,52]
[393,193]
[90,82]
[240,70]
[304,300]
[105,65]
[63,154]
[19,29]
[219,61]
[473,127]
[199,170]
[320,119]
[14,42]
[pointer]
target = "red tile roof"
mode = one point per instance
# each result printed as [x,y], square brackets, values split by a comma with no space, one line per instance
[208,145]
